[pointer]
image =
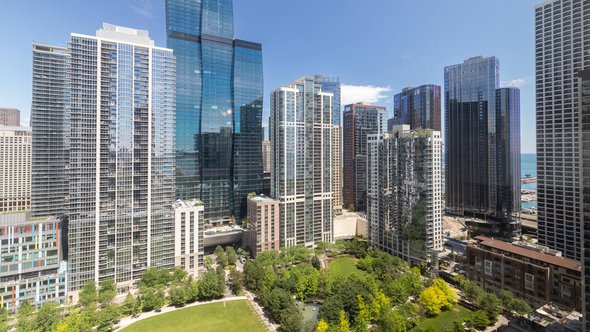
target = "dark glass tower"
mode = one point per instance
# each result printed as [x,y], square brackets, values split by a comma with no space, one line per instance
[219,107]
[419,107]
[482,145]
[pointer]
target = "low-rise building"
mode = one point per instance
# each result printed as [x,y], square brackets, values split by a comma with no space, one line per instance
[188,235]
[534,273]
[32,268]
[263,225]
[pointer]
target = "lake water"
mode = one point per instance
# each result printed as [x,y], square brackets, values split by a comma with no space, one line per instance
[528,166]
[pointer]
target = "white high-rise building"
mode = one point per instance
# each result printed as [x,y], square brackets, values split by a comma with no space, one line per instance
[562,40]
[337,169]
[121,115]
[404,192]
[15,169]
[301,136]
[188,235]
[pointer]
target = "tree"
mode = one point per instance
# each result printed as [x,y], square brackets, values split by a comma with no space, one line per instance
[4,327]
[178,296]
[106,317]
[208,262]
[491,305]
[88,294]
[432,299]
[450,294]
[107,291]
[178,275]
[219,253]
[220,272]
[48,317]
[291,319]
[344,325]
[236,281]
[74,322]
[25,318]
[151,298]
[232,256]
[130,306]
[193,291]
[322,326]
[208,286]
[153,277]
[481,320]
[315,262]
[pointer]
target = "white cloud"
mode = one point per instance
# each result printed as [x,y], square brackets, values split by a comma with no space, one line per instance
[516,83]
[351,94]
[144,8]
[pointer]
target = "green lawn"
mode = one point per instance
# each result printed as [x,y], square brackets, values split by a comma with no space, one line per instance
[445,320]
[236,316]
[343,266]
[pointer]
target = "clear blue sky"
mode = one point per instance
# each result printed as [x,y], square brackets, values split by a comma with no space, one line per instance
[377,47]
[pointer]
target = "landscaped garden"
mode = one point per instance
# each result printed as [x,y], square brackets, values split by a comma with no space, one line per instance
[342,267]
[215,317]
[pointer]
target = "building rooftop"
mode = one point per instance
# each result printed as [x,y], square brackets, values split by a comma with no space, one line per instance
[262,199]
[187,203]
[533,254]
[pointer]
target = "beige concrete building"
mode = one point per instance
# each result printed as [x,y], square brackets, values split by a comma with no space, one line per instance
[15,169]
[188,235]
[266,156]
[337,169]
[263,225]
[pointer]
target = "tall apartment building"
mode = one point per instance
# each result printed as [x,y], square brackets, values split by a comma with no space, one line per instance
[359,121]
[337,169]
[219,107]
[301,133]
[404,192]
[419,107]
[266,161]
[332,85]
[50,131]
[263,231]
[482,145]
[9,117]
[562,36]
[188,235]
[15,169]
[31,265]
[584,116]
[121,119]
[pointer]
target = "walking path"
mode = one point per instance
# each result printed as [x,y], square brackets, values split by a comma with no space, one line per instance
[128,320]
[269,326]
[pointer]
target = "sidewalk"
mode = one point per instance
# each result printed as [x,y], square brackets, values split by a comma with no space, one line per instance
[128,320]
[269,326]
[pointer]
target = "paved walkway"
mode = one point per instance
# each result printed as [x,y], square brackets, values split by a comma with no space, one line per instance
[128,320]
[269,326]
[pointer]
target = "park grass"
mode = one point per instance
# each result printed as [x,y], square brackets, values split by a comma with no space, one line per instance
[444,321]
[236,316]
[342,267]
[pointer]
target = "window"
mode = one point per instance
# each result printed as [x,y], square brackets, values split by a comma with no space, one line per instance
[529,281]
[478,262]
[488,267]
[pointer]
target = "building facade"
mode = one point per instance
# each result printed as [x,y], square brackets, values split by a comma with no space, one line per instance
[404,193]
[263,231]
[584,116]
[31,254]
[188,235]
[266,156]
[49,122]
[219,107]
[9,117]
[15,169]
[419,107]
[561,38]
[332,85]
[533,273]
[482,135]
[301,134]
[337,169]
[121,156]
[359,121]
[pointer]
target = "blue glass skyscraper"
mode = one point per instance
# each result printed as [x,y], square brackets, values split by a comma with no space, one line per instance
[219,107]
